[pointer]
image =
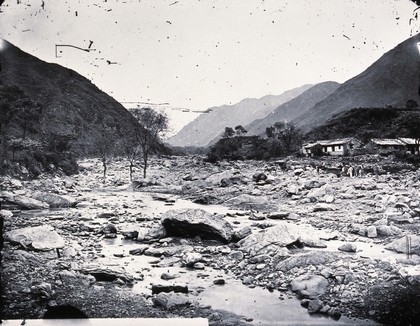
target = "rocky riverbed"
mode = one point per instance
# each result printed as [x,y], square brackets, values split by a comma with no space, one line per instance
[194,234]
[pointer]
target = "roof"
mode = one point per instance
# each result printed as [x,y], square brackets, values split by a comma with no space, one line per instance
[340,141]
[409,141]
[387,142]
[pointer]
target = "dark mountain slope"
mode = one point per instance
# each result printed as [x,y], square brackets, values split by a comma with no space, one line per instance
[71,104]
[292,109]
[390,81]
[366,123]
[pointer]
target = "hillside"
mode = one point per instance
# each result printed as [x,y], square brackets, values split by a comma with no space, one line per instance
[366,123]
[390,81]
[292,109]
[71,105]
[208,126]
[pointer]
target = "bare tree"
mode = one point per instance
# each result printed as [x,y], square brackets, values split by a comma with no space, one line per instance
[105,146]
[153,124]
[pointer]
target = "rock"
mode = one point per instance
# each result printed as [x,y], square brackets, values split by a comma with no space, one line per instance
[323,207]
[278,215]
[259,176]
[411,273]
[193,222]
[130,234]
[168,276]
[371,231]
[246,201]
[158,288]
[388,230]
[315,306]
[108,229]
[170,300]
[23,202]
[400,245]
[309,286]
[138,251]
[199,266]
[241,233]
[42,238]
[167,251]
[219,281]
[280,235]
[236,255]
[312,258]
[348,247]
[44,290]
[106,273]
[190,258]
[54,201]
[5,214]
[248,280]
[218,177]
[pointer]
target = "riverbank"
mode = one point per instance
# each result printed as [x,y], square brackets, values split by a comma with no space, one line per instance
[296,227]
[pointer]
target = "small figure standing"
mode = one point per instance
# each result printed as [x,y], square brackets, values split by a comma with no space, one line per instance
[351,171]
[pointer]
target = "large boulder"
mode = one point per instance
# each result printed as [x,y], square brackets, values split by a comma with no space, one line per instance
[401,244]
[309,286]
[107,273]
[42,238]
[280,235]
[23,202]
[170,300]
[193,222]
[311,258]
[54,201]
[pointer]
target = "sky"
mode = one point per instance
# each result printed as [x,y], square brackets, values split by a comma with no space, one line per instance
[186,56]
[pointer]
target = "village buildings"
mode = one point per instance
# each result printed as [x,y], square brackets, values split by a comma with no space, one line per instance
[349,146]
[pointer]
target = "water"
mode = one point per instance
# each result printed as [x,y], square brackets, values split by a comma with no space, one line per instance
[264,307]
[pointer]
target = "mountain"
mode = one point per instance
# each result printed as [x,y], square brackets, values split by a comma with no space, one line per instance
[294,108]
[208,126]
[70,104]
[390,81]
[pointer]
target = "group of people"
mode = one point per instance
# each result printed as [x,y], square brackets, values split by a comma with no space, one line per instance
[353,171]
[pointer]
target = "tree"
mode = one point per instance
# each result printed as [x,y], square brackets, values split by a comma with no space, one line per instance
[286,137]
[240,131]
[153,124]
[105,145]
[229,132]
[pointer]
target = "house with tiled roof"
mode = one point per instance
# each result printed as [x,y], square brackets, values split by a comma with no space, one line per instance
[334,147]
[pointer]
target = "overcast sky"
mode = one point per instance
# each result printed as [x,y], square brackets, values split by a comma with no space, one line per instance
[198,54]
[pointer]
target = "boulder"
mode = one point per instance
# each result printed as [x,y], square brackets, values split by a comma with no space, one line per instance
[23,202]
[309,286]
[170,300]
[400,245]
[371,231]
[311,258]
[106,273]
[42,238]
[54,201]
[190,258]
[241,233]
[348,247]
[280,235]
[218,177]
[193,222]
[315,306]
[388,230]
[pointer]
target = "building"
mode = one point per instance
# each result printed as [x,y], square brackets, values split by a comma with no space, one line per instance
[335,147]
[386,146]
[412,145]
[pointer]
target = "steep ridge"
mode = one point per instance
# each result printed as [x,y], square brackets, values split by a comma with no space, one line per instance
[294,108]
[391,81]
[208,126]
[71,104]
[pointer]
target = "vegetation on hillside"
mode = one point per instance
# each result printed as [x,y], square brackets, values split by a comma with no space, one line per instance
[367,123]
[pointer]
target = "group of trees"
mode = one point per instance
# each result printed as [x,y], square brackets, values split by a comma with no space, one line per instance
[134,143]
[281,139]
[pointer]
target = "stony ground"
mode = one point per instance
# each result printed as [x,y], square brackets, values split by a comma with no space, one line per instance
[314,229]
